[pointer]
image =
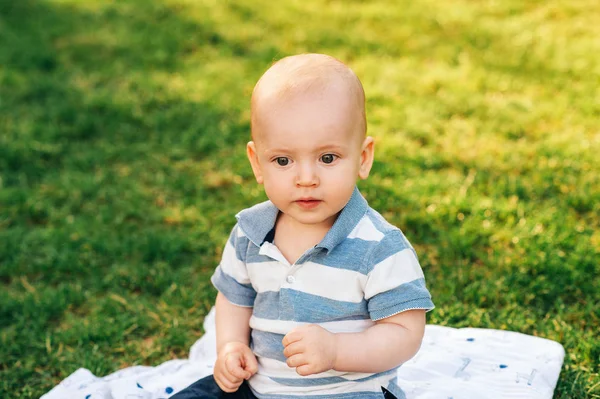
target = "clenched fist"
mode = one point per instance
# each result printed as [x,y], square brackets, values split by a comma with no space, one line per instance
[311,349]
[235,363]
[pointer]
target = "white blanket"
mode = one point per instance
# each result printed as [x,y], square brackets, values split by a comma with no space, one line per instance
[453,363]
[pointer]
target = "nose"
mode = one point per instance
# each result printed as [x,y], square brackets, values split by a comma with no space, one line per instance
[307,175]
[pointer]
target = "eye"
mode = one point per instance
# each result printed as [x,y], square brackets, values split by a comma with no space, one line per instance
[282,161]
[328,158]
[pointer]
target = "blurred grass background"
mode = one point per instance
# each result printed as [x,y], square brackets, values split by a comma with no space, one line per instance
[122,164]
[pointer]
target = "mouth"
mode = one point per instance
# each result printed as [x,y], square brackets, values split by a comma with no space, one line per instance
[308,203]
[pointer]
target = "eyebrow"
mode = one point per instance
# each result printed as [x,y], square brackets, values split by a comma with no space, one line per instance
[333,147]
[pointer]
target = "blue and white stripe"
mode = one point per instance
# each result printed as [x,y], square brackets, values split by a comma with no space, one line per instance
[363,270]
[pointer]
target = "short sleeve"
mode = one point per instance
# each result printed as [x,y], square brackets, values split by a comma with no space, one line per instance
[231,276]
[395,282]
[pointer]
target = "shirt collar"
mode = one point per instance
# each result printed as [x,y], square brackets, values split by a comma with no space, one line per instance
[257,221]
[347,220]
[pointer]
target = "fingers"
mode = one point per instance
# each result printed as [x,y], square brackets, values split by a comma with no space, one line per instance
[291,337]
[234,366]
[293,349]
[250,363]
[227,372]
[221,370]
[235,363]
[304,370]
[296,361]
[301,365]
[226,385]
[226,382]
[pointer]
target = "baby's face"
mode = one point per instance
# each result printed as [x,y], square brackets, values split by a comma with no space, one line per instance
[308,152]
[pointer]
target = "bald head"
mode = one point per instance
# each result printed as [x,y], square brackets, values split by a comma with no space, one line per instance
[312,74]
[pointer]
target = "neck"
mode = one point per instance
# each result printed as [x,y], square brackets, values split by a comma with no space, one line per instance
[311,232]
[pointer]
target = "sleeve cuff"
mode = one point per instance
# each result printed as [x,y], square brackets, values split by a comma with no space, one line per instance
[420,303]
[236,293]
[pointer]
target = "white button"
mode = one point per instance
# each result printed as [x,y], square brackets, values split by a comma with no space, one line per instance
[291,279]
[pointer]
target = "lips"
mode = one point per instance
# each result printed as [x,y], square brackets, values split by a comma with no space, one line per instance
[308,203]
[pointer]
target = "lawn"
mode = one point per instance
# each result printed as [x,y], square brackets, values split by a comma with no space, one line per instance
[122,165]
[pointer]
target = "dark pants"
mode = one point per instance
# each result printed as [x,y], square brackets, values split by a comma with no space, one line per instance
[207,388]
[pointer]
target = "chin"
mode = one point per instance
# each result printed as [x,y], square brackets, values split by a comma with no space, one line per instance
[312,219]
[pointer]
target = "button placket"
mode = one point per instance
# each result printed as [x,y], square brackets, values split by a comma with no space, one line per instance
[273,252]
[291,279]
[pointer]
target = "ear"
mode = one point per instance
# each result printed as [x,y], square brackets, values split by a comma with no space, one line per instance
[366,157]
[253,158]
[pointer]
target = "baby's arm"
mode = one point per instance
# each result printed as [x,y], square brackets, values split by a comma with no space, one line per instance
[232,322]
[390,342]
[235,361]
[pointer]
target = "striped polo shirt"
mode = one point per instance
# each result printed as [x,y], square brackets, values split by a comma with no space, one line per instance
[363,270]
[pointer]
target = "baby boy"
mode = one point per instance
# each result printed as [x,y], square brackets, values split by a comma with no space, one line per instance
[318,296]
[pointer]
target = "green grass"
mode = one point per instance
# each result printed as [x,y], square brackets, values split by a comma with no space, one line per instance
[122,164]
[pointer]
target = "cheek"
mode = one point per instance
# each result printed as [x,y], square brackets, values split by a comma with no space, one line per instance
[274,183]
[345,172]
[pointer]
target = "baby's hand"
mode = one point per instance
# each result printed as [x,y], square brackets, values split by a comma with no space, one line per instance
[311,349]
[235,363]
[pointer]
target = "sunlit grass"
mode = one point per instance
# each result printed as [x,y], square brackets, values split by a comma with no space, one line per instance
[122,165]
